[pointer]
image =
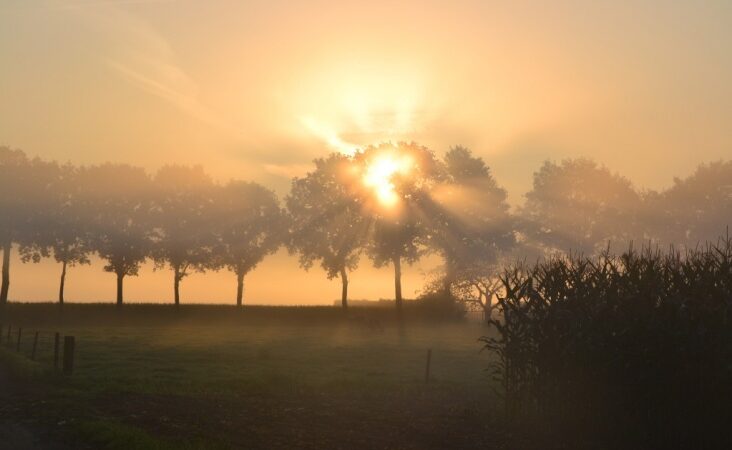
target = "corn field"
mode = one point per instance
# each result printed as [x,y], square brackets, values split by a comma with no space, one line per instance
[632,350]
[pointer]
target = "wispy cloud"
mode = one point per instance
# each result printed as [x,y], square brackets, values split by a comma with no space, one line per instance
[143,57]
[169,83]
[328,135]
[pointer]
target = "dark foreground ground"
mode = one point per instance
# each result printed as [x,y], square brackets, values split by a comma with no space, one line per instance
[157,378]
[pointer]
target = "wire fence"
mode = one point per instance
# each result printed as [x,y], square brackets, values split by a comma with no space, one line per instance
[49,348]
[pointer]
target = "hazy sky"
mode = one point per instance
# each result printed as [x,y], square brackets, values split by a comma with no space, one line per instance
[257,89]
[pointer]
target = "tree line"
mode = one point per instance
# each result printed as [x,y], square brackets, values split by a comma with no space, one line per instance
[346,208]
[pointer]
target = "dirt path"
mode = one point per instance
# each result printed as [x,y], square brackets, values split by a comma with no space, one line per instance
[19,430]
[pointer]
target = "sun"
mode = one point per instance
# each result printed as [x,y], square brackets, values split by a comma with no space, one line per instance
[380,173]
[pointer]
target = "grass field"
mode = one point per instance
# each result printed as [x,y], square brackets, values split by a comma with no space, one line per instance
[215,377]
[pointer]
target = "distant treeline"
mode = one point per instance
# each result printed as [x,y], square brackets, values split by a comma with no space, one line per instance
[345,208]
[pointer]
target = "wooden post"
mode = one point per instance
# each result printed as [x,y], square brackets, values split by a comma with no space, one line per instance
[56,341]
[20,333]
[69,344]
[427,368]
[35,346]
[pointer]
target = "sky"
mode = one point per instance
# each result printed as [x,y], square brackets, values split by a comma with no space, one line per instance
[257,89]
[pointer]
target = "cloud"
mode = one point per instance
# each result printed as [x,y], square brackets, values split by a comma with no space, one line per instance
[144,58]
[329,136]
[171,84]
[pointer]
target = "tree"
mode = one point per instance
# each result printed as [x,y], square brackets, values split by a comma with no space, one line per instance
[26,197]
[478,288]
[182,236]
[696,209]
[68,232]
[118,201]
[326,219]
[580,206]
[471,223]
[397,180]
[248,225]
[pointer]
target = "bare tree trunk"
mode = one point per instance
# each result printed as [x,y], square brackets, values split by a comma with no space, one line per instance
[239,288]
[120,279]
[398,285]
[176,285]
[344,290]
[62,284]
[7,246]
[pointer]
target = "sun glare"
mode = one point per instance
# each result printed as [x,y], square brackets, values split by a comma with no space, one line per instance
[379,176]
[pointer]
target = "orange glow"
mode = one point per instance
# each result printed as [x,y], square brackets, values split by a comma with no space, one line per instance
[257,90]
[380,174]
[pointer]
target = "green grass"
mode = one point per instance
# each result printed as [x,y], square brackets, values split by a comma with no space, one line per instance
[220,383]
[19,365]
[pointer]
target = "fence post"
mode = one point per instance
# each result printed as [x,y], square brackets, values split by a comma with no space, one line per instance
[35,346]
[56,341]
[20,333]
[427,368]
[69,344]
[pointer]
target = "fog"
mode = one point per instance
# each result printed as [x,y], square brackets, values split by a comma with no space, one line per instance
[393,210]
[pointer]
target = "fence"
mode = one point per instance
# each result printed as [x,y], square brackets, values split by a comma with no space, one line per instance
[41,345]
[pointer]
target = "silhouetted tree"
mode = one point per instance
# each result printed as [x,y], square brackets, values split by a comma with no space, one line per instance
[470,220]
[478,288]
[399,219]
[118,198]
[68,229]
[248,225]
[327,223]
[696,209]
[580,206]
[26,198]
[183,237]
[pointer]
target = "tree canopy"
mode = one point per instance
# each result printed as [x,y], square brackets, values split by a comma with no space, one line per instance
[119,200]
[578,205]
[327,221]
[471,222]
[248,225]
[400,227]
[393,202]
[182,237]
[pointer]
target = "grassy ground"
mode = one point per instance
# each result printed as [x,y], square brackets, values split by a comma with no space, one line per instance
[215,377]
